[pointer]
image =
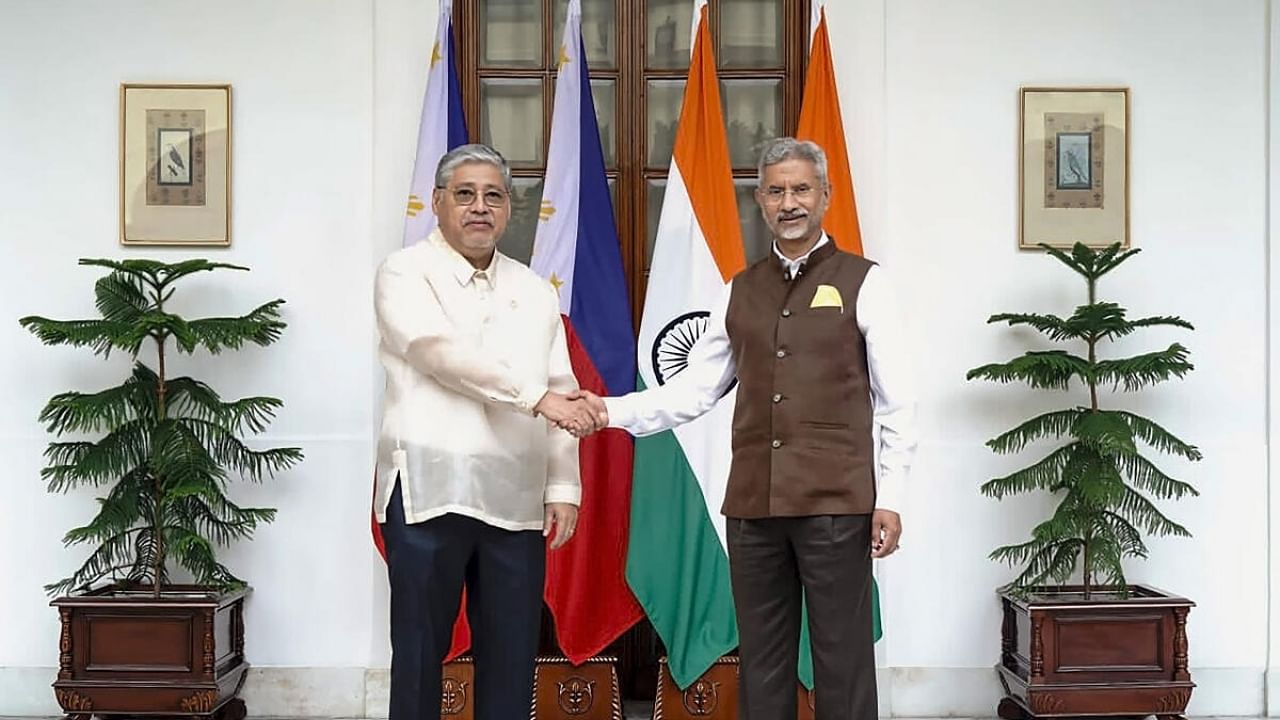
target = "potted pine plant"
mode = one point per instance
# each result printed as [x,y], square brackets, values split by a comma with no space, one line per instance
[1101,646]
[135,639]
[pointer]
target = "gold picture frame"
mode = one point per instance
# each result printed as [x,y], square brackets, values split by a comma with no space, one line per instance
[175,165]
[1073,166]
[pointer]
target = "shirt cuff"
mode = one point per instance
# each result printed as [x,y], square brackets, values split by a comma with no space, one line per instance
[890,492]
[620,413]
[570,494]
[528,397]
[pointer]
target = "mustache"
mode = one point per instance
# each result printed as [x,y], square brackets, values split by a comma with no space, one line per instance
[791,216]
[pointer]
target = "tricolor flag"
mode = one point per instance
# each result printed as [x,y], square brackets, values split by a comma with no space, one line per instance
[820,122]
[442,128]
[677,563]
[576,248]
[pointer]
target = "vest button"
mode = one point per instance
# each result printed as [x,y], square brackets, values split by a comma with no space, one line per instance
[777,444]
[781,353]
[786,312]
[777,397]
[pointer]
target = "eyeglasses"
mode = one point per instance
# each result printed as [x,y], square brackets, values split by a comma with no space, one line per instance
[774,195]
[467,196]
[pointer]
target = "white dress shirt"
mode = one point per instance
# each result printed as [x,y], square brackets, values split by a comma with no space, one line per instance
[468,354]
[712,368]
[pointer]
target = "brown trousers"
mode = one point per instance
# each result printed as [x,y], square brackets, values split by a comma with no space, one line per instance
[770,561]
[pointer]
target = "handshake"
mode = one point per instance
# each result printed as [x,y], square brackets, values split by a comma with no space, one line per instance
[579,413]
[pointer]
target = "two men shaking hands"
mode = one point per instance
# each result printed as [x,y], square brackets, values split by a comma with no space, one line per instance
[579,413]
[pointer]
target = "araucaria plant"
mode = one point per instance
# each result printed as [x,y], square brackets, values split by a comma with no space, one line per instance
[1104,482]
[166,447]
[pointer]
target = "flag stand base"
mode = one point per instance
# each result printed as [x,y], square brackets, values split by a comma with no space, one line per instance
[713,696]
[561,690]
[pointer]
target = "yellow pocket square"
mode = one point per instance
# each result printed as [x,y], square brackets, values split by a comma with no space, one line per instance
[827,296]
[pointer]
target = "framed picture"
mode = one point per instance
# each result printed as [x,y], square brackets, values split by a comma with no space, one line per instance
[1073,167]
[175,165]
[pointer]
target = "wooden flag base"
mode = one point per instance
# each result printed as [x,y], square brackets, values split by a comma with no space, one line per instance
[586,692]
[713,696]
[561,691]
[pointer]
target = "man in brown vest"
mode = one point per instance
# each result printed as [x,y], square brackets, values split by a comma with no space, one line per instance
[811,334]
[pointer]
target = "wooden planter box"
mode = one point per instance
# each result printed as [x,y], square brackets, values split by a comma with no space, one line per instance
[125,652]
[1062,655]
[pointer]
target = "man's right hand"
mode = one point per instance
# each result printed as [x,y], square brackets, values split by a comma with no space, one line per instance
[599,411]
[569,412]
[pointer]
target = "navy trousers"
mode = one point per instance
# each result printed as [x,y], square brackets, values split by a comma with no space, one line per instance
[427,564]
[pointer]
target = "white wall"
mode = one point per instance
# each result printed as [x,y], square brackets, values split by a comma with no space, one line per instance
[301,72]
[1273,361]
[1197,73]
[327,95]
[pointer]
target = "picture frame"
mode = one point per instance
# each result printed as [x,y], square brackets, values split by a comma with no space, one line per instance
[1073,166]
[175,165]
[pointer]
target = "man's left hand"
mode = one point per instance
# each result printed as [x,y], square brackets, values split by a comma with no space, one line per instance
[562,518]
[886,529]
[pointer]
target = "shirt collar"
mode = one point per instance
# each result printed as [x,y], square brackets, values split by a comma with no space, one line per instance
[793,266]
[461,269]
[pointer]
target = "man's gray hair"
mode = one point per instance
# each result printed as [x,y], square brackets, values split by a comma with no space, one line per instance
[789,148]
[473,153]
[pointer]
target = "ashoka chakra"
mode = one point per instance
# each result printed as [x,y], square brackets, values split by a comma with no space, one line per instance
[671,347]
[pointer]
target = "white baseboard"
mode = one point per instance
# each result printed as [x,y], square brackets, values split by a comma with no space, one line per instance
[28,691]
[1228,692]
[377,692]
[354,692]
[940,692]
[1272,685]
[305,692]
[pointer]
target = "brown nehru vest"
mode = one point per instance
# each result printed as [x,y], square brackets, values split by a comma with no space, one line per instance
[802,422]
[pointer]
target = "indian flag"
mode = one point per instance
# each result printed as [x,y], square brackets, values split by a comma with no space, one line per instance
[677,564]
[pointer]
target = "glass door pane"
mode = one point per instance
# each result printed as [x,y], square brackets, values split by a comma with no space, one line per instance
[655,190]
[754,112]
[667,37]
[526,201]
[756,238]
[604,96]
[663,99]
[599,30]
[511,33]
[750,34]
[511,119]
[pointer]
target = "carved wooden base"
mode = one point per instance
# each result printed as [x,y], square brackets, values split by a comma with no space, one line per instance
[455,690]
[1065,656]
[561,691]
[713,696]
[124,652]
[1011,708]
[587,692]
[232,710]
